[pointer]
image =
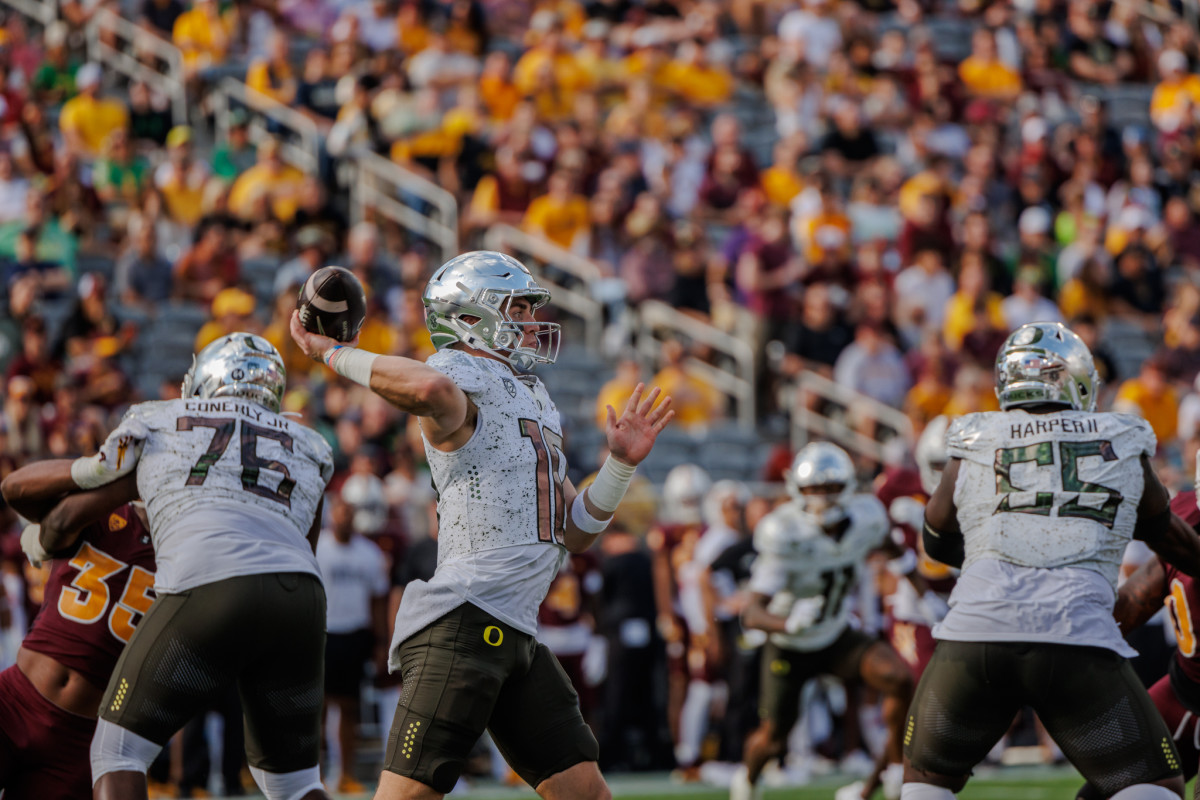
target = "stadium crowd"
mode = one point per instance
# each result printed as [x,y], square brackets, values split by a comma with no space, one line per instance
[875,190]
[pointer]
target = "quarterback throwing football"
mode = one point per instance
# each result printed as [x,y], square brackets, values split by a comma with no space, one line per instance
[464,641]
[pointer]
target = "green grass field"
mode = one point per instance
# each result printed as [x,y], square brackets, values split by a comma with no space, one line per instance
[1012,783]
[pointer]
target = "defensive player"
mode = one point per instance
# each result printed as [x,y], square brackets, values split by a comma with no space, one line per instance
[811,555]
[1177,694]
[464,640]
[100,585]
[233,490]
[1037,504]
[911,613]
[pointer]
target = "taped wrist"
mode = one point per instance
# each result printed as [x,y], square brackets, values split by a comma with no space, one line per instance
[610,485]
[583,518]
[944,547]
[350,362]
[89,472]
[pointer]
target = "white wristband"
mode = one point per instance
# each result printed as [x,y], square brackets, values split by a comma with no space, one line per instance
[352,363]
[610,485]
[583,518]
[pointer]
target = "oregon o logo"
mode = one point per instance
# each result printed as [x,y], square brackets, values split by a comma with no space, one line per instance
[493,635]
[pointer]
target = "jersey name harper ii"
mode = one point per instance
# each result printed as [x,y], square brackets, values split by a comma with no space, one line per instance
[501,506]
[1047,504]
[800,560]
[230,487]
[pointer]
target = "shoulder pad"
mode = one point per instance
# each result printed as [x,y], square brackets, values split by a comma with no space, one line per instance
[465,370]
[781,533]
[152,411]
[1139,428]
[966,432]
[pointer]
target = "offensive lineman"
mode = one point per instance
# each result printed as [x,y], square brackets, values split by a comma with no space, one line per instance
[464,639]
[233,491]
[1036,505]
[811,554]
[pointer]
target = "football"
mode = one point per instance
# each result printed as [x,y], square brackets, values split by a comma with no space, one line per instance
[332,303]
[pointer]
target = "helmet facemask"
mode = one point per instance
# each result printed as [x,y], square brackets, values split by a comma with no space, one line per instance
[821,482]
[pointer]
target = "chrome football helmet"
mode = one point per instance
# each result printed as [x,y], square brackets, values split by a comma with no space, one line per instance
[1044,362]
[467,300]
[930,452]
[365,494]
[822,464]
[238,365]
[683,494]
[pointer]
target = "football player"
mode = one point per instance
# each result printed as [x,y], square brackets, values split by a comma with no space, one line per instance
[1177,694]
[811,555]
[911,612]
[100,584]
[464,640]
[1036,505]
[234,491]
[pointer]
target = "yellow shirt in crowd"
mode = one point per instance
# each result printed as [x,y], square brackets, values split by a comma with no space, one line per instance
[93,120]
[201,41]
[1161,412]
[560,222]
[283,187]
[993,78]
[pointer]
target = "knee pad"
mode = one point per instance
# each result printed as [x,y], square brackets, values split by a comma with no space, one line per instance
[287,785]
[115,749]
[925,791]
[1145,791]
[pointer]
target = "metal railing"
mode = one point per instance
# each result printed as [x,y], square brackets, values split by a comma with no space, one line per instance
[806,421]
[737,382]
[576,300]
[42,12]
[301,144]
[380,183]
[138,40]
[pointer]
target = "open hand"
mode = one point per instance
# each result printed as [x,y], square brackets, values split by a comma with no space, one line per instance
[314,345]
[632,435]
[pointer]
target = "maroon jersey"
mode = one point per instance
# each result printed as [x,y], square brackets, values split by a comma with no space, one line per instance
[94,597]
[570,592]
[893,485]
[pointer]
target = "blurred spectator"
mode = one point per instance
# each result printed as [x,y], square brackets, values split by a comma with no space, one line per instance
[314,246]
[1150,395]
[815,341]
[121,177]
[208,267]
[560,215]
[923,292]
[35,360]
[1093,55]
[181,178]
[1176,98]
[616,391]
[1138,287]
[316,94]
[54,81]
[49,278]
[269,188]
[90,319]
[232,311]
[811,32]
[14,188]
[149,116]
[236,154]
[272,75]
[86,121]
[695,401]
[20,421]
[984,74]
[161,15]
[872,365]
[142,278]
[1027,303]
[53,243]
[204,34]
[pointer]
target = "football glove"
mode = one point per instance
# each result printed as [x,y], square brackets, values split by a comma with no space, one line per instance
[804,613]
[31,545]
[117,458]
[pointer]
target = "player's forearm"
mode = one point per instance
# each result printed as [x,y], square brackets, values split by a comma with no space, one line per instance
[416,388]
[757,617]
[34,489]
[1140,597]
[61,527]
[1178,544]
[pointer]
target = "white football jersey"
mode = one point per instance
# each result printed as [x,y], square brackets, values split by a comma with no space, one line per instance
[1049,490]
[501,509]
[797,559]
[230,488]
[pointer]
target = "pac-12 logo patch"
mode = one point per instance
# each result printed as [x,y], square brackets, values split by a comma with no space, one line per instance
[116,522]
[512,387]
